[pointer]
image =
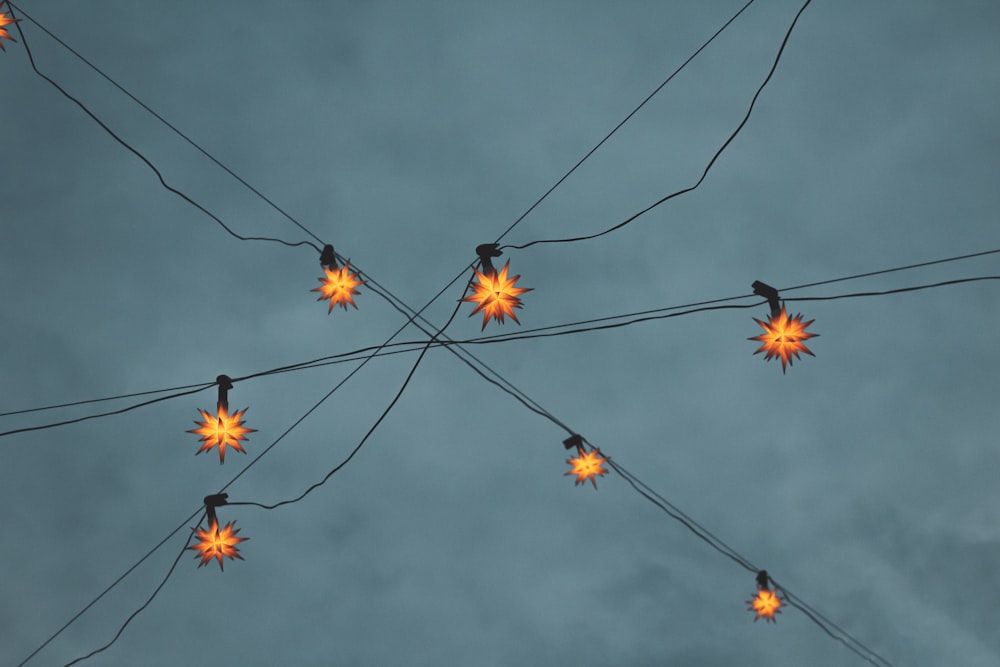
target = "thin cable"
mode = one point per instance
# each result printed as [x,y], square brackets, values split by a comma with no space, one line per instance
[708,167]
[627,118]
[145,604]
[898,268]
[826,624]
[129,408]
[233,480]
[385,413]
[525,334]
[149,164]
[168,124]
[899,290]
[100,400]
[704,534]
[108,589]
[675,513]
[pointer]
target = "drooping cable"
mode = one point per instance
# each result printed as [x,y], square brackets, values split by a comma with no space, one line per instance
[156,591]
[146,160]
[708,167]
[625,120]
[108,589]
[167,123]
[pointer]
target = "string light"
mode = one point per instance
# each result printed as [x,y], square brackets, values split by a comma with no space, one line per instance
[339,284]
[783,336]
[766,603]
[223,429]
[495,294]
[585,465]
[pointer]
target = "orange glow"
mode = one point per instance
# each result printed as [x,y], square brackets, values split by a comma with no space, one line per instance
[5,21]
[217,543]
[766,604]
[783,337]
[587,466]
[222,430]
[338,286]
[496,295]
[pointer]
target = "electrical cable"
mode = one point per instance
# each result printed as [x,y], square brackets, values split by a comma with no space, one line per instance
[101,400]
[167,123]
[228,484]
[525,334]
[145,604]
[232,173]
[357,448]
[129,408]
[142,157]
[626,119]
[108,589]
[826,624]
[708,167]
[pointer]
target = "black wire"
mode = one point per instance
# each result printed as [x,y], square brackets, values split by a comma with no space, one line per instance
[169,125]
[708,167]
[901,268]
[233,480]
[826,624]
[627,118]
[100,400]
[367,435]
[129,408]
[108,589]
[449,343]
[675,513]
[145,604]
[149,164]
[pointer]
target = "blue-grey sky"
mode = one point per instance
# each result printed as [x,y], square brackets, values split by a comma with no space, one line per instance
[405,134]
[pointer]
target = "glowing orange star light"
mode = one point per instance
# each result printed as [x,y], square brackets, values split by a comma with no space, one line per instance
[5,20]
[587,465]
[338,286]
[217,543]
[765,604]
[496,295]
[783,337]
[222,430]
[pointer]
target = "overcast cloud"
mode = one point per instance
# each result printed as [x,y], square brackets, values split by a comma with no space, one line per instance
[405,134]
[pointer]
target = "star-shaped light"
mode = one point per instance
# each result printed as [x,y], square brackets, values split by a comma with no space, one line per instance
[5,20]
[217,543]
[587,465]
[766,604]
[222,430]
[783,337]
[338,286]
[496,295]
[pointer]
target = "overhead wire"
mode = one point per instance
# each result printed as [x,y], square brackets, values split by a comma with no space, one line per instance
[108,589]
[167,123]
[142,607]
[625,120]
[101,400]
[336,469]
[146,160]
[708,167]
[129,408]
[438,340]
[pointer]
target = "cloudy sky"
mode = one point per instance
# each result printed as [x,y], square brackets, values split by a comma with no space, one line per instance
[405,134]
